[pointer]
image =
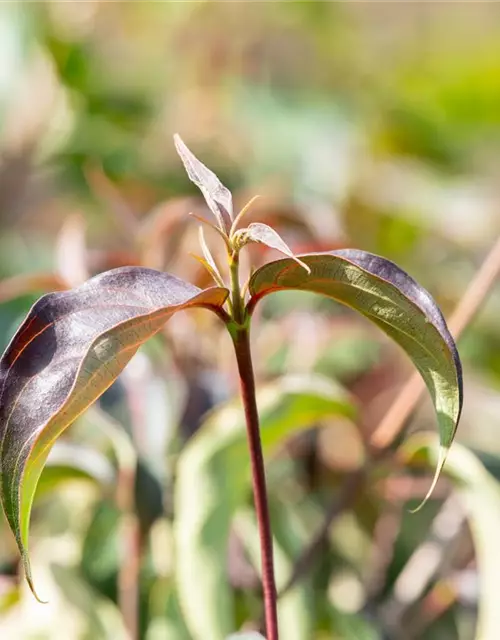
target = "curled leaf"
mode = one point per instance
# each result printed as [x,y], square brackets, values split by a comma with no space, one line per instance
[390,298]
[68,351]
[260,232]
[217,196]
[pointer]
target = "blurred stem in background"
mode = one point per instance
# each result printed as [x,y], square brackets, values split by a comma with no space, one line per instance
[130,535]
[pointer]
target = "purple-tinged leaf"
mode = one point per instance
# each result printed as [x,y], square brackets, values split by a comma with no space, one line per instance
[262,233]
[68,351]
[390,298]
[217,196]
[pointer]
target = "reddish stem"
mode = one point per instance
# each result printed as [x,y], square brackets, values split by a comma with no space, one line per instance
[247,385]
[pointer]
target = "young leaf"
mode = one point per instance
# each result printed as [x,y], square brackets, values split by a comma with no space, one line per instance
[390,298]
[67,352]
[217,196]
[259,232]
[209,259]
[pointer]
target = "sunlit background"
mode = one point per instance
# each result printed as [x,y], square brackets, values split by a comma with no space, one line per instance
[370,125]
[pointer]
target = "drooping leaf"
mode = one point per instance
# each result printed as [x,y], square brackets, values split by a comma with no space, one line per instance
[480,495]
[390,298]
[67,352]
[217,196]
[216,463]
[260,232]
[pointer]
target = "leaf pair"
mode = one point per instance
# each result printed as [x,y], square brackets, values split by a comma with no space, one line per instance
[73,344]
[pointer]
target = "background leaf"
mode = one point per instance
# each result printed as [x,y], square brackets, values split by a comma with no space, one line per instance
[213,480]
[480,495]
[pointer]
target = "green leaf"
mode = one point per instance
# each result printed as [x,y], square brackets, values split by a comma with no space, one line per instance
[213,480]
[480,495]
[390,298]
[68,351]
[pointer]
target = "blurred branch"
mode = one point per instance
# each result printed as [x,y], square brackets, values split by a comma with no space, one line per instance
[130,536]
[441,597]
[346,496]
[423,566]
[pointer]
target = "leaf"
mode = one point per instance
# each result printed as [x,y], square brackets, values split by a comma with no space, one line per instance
[480,496]
[208,260]
[217,196]
[260,232]
[67,352]
[216,463]
[390,298]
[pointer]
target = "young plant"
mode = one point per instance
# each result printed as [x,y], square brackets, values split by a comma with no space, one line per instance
[73,345]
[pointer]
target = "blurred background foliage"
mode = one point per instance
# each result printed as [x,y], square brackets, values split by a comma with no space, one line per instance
[372,125]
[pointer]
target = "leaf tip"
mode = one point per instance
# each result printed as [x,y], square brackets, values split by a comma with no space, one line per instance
[443,452]
[29,578]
